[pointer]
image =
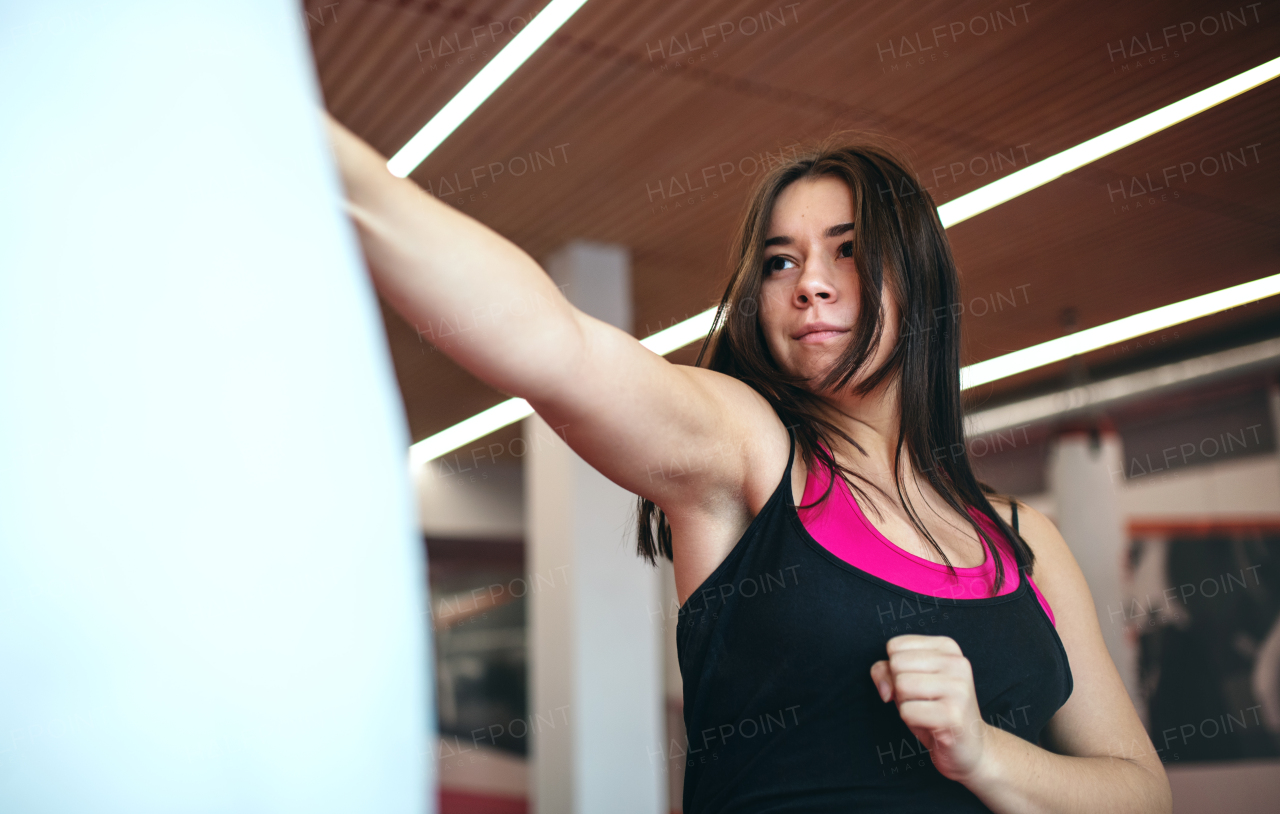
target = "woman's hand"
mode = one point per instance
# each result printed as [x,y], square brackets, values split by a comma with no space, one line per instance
[932,683]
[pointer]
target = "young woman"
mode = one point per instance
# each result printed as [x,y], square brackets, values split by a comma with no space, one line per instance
[826,504]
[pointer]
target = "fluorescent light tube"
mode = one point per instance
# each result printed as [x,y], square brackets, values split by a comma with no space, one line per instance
[464,432]
[1073,158]
[680,334]
[1064,347]
[1106,391]
[482,85]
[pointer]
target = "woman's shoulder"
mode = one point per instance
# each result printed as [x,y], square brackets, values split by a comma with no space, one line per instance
[744,456]
[1003,506]
[1033,526]
[1056,572]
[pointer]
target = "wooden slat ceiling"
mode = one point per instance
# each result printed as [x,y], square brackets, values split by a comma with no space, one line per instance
[622,114]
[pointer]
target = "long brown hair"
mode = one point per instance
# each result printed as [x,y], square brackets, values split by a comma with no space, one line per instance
[898,244]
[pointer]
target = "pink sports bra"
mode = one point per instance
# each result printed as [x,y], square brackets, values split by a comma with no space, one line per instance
[839,525]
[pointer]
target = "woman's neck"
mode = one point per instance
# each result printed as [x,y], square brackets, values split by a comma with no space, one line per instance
[873,421]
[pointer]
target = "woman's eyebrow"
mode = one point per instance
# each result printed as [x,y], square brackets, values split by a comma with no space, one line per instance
[834,231]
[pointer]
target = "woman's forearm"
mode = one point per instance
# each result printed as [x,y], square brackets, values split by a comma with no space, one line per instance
[468,290]
[1018,777]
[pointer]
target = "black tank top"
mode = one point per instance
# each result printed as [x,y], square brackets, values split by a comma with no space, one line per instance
[776,648]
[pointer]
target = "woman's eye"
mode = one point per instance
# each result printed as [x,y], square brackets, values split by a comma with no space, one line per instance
[776,262]
[846,249]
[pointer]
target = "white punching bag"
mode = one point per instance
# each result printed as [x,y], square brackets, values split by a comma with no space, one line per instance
[211,590]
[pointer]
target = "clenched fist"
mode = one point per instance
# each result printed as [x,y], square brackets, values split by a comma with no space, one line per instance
[932,683]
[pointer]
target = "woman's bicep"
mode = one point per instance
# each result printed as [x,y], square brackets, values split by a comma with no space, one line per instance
[671,433]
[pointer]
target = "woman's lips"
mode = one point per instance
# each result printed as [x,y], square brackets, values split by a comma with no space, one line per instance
[816,337]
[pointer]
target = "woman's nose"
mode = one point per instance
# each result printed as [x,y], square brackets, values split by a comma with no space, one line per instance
[814,286]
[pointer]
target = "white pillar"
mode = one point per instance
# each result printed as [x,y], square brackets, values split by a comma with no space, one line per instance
[210,584]
[596,689]
[1086,476]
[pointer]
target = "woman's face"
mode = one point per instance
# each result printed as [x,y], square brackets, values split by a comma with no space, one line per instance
[809,298]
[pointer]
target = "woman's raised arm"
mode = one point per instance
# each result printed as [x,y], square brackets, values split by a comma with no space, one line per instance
[436,266]
[629,412]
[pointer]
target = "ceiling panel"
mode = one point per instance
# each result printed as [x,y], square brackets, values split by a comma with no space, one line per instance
[605,131]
